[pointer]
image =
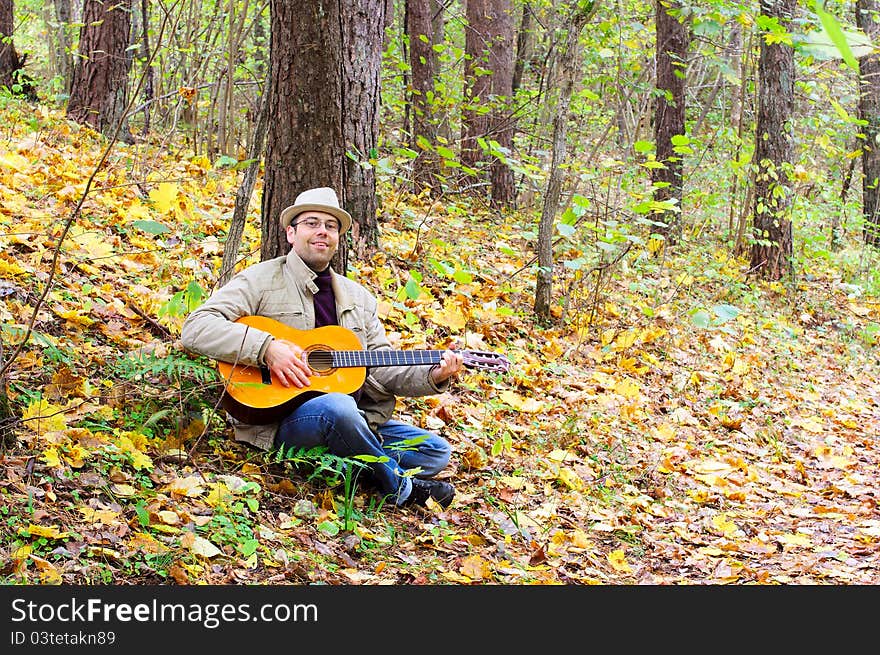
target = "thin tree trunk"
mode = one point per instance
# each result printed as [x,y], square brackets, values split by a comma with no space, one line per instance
[245,191]
[772,246]
[869,109]
[568,61]
[669,116]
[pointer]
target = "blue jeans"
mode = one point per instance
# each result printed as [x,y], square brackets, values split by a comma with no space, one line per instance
[334,420]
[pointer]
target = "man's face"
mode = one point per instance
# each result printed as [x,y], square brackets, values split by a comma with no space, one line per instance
[315,244]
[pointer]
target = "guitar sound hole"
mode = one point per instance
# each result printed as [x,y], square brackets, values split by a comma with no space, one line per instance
[320,361]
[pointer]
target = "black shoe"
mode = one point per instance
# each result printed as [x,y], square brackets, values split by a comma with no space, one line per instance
[441,492]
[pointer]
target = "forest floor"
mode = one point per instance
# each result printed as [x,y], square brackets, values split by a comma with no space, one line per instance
[682,423]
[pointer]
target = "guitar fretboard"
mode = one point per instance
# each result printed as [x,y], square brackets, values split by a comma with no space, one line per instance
[320,359]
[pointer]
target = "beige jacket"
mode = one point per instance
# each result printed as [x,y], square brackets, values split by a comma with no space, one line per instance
[282,289]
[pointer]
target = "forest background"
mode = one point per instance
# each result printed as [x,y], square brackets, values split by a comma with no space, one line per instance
[663,216]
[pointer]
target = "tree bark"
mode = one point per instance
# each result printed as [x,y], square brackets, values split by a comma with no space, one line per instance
[423,66]
[245,191]
[568,62]
[98,96]
[304,146]
[669,113]
[488,91]
[323,113]
[12,74]
[868,19]
[363,36]
[772,246]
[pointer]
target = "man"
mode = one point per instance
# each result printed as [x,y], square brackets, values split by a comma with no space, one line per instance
[303,292]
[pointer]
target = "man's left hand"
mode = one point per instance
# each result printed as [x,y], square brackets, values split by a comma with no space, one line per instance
[449,366]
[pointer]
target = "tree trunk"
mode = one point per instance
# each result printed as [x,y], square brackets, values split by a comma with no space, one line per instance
[488,92]
[568,61]
[669,114]
[323,113]
[12,74]
[363,36]
[868,19]
[62,60]
[146,53]
[524,45]
[502,120]
[304,146]
[245,191]
[477,86]
[423,66]
[772,246]
[98,95]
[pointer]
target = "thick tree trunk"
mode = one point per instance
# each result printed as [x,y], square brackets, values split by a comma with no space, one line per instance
[868,19]
[423,65]
[669,114]
[772,237]
[323,113]
[304,146]
[98,95]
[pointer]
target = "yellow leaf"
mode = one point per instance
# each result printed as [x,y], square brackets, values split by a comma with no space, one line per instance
[812,424]
[42,417]
[795,539]
[10,269]
[147,543]
[617,559]
[190,486]
[48,573]
[75,455]
[711,466]
[169,517]
[203,547]
[475,568]
[522,404]
[570,479]
[50,456]
[625,339]
[579,539]
[124,490]
[219,493]
[724,525]
[95,244]
[559,455]
[13,161]
[92,515]
[627,389]
[450,316]
[164,196]
[48,531]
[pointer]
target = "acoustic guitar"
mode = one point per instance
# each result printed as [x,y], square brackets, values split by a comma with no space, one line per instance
[338,363]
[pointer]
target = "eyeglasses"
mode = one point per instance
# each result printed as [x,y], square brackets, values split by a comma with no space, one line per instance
[331,224]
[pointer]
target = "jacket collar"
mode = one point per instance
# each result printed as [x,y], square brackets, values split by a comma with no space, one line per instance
[304,277]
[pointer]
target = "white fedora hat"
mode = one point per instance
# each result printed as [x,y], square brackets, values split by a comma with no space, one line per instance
[322,199]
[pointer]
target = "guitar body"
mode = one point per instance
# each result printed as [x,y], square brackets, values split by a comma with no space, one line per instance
[255,396]
[338,363]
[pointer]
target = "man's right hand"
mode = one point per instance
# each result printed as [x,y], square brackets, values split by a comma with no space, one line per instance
[285,361]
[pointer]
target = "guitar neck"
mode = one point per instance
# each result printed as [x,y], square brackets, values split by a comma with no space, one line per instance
[371,358]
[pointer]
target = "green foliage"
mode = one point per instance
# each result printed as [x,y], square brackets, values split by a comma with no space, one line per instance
[176,365]
[184,301]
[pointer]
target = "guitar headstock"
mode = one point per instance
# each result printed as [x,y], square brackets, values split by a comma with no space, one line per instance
[485,359]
